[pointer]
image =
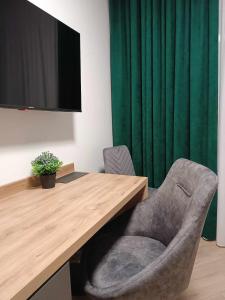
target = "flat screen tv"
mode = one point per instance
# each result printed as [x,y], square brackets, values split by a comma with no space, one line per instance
[39,59]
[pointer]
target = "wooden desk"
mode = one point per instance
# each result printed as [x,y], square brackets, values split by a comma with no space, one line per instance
[41,229]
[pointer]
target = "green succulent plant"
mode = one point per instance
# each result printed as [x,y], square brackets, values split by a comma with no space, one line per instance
[46,164]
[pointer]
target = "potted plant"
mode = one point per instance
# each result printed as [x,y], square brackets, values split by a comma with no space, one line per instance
[46,165]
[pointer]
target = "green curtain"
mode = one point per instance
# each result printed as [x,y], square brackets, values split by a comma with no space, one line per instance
[164,84]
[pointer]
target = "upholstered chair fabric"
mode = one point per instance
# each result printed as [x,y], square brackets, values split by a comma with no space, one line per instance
[117,160]
[149,252]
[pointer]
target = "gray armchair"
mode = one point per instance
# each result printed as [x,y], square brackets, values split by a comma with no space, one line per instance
[117,160]
[149,252]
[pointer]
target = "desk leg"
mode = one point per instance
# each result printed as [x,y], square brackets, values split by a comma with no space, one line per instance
[57,287]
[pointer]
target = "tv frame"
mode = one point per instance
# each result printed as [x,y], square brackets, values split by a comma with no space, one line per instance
[37,108]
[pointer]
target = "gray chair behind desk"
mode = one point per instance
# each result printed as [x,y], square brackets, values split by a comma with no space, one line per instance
[117,160]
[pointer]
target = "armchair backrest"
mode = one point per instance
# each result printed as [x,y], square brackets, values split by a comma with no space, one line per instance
[183,199]
[117,160]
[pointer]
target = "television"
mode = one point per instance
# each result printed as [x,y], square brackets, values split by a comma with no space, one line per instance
[39,60]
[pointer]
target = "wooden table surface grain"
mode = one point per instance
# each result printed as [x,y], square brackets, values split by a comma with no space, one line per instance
[41,229]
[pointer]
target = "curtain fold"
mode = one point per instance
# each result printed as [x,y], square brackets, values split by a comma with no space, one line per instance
[164,84]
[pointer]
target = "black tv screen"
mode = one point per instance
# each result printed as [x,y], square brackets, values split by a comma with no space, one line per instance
[39,59]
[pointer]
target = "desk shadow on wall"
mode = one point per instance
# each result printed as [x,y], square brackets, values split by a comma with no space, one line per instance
[32,127]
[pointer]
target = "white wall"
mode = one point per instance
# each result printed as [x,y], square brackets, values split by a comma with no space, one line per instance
[221,127]
[74,137]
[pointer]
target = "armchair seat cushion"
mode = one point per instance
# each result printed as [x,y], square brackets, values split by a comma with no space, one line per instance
[116,259]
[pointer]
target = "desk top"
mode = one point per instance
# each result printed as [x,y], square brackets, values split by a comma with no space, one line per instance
[41,229]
